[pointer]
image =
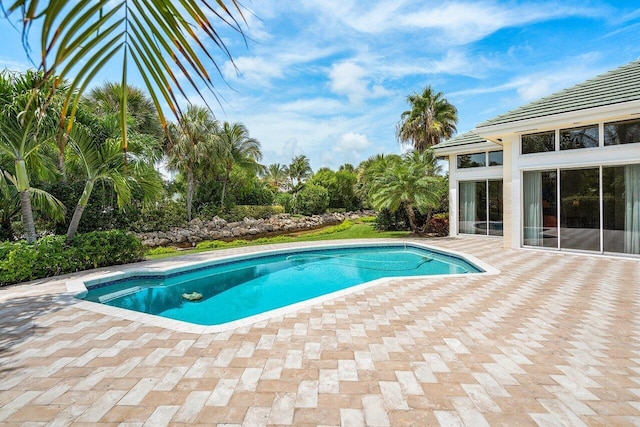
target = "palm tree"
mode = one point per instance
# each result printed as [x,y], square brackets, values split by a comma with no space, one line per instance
[25,131]
[104,101]
[192,143]
[235,147]
[347,167]
[409,184]
[103,161]
[430,119]
[143,125]
[299,170]
[277,176]
[78,39]
[371,168]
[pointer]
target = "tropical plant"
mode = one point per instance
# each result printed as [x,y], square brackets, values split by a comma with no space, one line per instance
[235,147]
[142,117]
[340,186]
[312,200]
[26,129]
[103,161]
[430,119]
[371,168]
[276,176]
[9,208]
[192,143]
[409,184]
[299,170]
[167,41]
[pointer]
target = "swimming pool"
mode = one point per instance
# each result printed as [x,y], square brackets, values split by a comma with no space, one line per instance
[240,288]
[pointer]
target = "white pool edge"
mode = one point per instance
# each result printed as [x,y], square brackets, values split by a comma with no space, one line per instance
[78,286]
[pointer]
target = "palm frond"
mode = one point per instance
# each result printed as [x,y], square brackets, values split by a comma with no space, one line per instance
[159,36]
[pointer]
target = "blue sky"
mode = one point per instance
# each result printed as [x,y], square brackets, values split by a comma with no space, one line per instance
[329,79]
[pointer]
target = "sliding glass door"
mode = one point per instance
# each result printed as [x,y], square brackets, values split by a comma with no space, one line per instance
[580,209]
[596,209]
[480,207]
[621,209]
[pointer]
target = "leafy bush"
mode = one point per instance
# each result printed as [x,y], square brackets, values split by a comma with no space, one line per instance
[162,217]
[285,200]
[345,225]
[438,225]
[312,200]
[162,250]
[391,221]
[51,255]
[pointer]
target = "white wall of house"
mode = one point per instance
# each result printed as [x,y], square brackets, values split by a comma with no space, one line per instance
[468,174]
[515,163]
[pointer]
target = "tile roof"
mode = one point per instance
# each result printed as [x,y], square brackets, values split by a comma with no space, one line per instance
[613,87]
[466,138]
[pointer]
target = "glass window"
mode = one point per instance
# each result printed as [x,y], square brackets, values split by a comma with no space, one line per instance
[540,214]
[539,142]
[473,207]
[472,160]
[580,209]
[584,137]
[495,158]
[495,208]
[622,132]
[621,209]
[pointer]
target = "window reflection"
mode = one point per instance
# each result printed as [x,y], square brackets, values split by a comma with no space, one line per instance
[495,158]
[539,142]
[584,137]
[471,160]
[626,132]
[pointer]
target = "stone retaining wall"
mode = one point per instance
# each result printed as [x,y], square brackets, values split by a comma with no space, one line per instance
[217,228]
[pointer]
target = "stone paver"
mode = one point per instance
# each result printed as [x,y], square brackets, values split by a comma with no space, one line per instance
[554,339]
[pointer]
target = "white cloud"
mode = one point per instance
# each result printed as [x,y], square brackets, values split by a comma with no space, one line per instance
[452,23]
[255,70]
[351,141]
[351,80]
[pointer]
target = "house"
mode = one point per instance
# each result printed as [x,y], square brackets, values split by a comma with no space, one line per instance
[561,173]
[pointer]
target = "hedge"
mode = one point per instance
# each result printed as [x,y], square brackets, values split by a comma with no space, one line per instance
[51,256]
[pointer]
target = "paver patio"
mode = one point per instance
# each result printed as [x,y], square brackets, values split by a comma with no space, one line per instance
[554,339]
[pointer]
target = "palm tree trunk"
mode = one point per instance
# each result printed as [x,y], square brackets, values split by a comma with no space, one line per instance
[412,218]
[224,186]
[190,188]
[75,222]
[27,216]
[224,189]
[80,207]
[22,185]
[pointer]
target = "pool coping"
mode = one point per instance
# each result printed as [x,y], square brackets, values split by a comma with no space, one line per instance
[76,286]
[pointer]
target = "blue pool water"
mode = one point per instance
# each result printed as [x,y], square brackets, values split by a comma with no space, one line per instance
[237,289]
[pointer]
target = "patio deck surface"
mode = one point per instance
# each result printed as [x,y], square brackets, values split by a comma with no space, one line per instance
[554,339]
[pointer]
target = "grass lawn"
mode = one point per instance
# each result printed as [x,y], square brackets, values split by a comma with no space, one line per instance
[359,229]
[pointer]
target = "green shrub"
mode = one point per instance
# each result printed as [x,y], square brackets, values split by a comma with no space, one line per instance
[285,200]
[162,250]
[312,200]
[162,217]
[51,255]
[367,219]
[211,244]
[345,225]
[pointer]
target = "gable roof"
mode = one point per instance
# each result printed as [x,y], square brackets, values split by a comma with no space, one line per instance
[614,87]
[466,138]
